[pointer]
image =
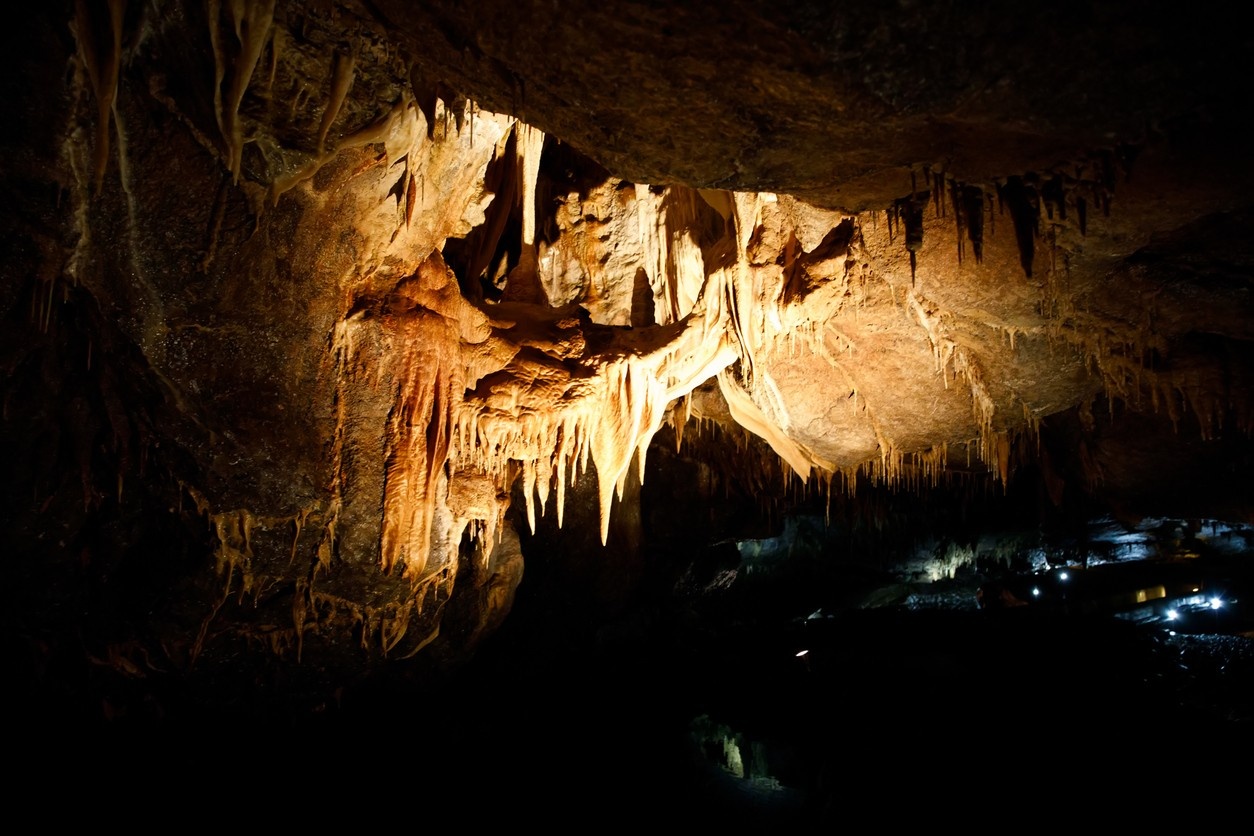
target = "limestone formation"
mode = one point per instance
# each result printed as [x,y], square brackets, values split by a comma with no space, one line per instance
[311,306]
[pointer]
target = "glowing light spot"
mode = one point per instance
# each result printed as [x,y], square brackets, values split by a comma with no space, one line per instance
[1172,615]
[802,653]
[1036,592]
[1216,603]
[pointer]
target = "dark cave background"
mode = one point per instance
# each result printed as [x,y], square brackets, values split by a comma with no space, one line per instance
[621,673]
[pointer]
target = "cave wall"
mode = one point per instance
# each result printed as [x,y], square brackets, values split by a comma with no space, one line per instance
[319,316]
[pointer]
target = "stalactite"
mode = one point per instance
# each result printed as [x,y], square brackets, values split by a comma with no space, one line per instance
[1054,197]
[530,145]
[455,104]
[410,199]
[101,57]
[276,50]
[1021,199]
[426,96]
[342,76]
[250,22]
[378,131]
[974,211]
[417,448]
[990,214]
[911,213]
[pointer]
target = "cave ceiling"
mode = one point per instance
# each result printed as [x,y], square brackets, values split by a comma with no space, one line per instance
[333,294]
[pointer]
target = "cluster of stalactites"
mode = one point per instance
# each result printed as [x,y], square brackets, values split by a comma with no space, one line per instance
[1029,199]
[604,414]
[608,409]
[548,425]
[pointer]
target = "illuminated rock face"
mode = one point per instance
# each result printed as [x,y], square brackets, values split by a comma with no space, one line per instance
[277,278]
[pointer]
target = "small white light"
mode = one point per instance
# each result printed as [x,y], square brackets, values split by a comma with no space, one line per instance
[1172,615]
[1036,590]
[1216,603]
[802,653]
[1062,576]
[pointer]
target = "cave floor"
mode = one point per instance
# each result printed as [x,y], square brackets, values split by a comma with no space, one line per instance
[928,700]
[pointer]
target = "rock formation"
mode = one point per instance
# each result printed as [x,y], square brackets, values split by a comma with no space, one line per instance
[311,307]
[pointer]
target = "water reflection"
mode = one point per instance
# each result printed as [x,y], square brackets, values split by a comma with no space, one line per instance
[1091,677]
[1189,594]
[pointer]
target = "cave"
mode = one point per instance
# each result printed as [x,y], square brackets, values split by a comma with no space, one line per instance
[750,414]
